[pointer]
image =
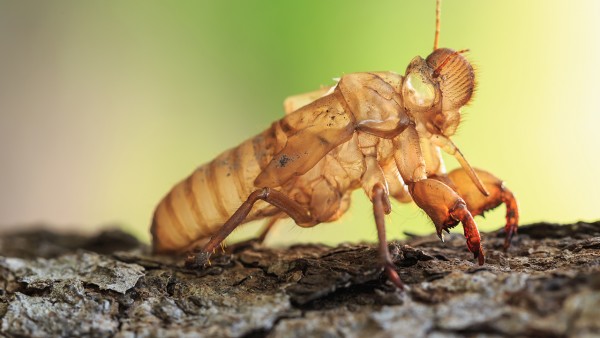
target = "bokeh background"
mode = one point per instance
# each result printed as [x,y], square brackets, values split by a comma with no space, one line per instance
[104,105]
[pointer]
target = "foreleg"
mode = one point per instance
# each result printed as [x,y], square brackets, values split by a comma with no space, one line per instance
[477,203]
[447,209]
[443,205]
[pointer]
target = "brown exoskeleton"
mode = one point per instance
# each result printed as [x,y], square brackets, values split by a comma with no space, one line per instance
[379,131]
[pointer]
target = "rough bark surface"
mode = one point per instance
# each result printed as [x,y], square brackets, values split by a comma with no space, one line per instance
[547,285]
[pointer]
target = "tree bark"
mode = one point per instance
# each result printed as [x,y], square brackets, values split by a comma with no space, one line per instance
[546,285]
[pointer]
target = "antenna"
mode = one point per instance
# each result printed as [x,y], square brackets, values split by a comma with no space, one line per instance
[438,10]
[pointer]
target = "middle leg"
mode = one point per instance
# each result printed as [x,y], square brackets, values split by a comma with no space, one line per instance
[382,207]
[375,185]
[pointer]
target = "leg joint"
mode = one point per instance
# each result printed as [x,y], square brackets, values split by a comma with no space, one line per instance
[261,194]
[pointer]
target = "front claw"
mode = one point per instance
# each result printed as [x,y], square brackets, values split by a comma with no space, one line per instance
[445,227]
[447,209]
[440,234]
[478,203]
[510,233]
[512,215]
[461,213]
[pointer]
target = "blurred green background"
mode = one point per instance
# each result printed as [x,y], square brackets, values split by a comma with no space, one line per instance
[104,105]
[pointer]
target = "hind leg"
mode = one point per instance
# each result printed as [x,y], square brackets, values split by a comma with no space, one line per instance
[300,215]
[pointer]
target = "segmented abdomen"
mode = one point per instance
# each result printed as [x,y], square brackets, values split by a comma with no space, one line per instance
[197,206]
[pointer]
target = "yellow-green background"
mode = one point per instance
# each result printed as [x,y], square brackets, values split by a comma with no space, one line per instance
[105,104]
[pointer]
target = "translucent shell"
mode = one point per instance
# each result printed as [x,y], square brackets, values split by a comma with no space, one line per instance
[419,91]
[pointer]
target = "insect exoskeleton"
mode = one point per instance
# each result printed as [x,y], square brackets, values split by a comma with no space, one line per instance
[379,131]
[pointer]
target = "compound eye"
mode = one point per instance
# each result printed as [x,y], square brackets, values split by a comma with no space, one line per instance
[419,92]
